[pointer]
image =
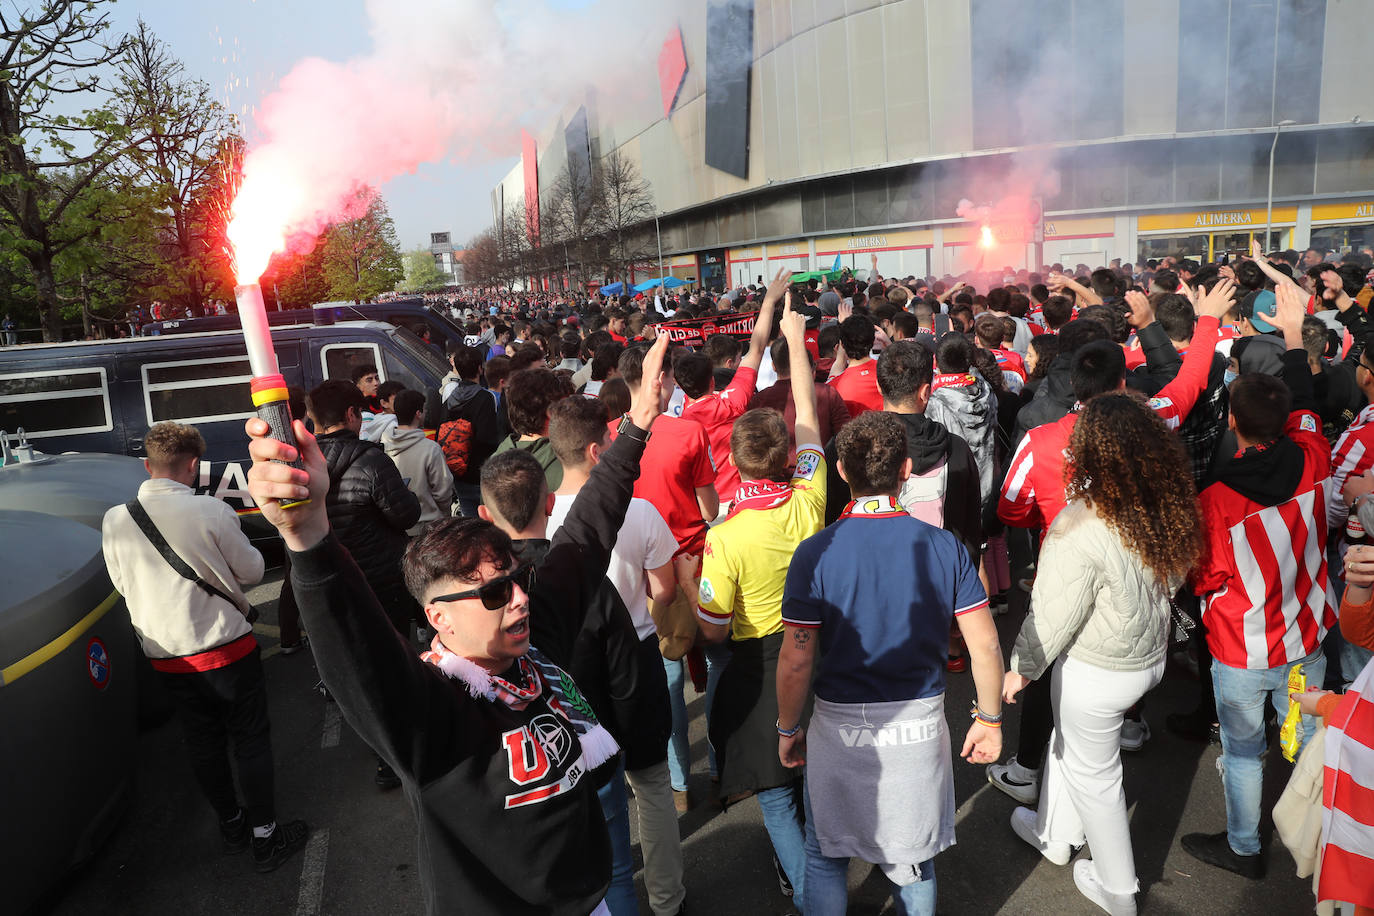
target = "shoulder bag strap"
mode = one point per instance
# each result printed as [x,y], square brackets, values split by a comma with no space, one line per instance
[146,525]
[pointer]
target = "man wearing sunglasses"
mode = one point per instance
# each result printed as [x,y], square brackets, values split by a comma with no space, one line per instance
[492,740]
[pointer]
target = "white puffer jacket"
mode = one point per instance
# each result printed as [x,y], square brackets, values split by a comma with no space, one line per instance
[1093,598]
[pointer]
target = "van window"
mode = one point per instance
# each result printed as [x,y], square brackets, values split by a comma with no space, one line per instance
[57,403]
[338,360]
[198,390]
[422,353]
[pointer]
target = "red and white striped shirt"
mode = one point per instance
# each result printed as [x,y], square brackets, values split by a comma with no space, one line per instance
[1268,600]
[1033,490]
[1348,797]
[1352,456]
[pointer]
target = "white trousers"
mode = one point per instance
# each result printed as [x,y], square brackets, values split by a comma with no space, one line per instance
[1081,797]
[659,840]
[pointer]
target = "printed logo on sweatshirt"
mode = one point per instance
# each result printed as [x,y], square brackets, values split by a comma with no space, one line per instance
[911,731]
[536,751]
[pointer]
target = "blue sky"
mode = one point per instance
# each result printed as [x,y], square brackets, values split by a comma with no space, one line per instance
[241,48]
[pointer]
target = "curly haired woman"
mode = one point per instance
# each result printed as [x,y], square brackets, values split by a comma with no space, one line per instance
[1109,563]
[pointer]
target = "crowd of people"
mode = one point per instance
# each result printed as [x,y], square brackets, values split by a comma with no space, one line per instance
[814,526]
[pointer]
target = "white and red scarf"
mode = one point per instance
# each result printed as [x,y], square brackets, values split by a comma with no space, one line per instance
[1348,797]
[760,494]
[874,507]
[539,675]
[952,380]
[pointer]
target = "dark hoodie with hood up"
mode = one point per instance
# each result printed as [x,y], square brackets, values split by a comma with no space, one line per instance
[927,444]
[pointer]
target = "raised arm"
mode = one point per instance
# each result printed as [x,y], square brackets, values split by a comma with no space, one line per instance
[1277,277]
[758,341]
[808,431]
[377,679]
[598,513]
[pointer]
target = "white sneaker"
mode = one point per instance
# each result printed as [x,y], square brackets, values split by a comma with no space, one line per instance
[1085,878]
[1023,825]
[1134,734]
[1017,781]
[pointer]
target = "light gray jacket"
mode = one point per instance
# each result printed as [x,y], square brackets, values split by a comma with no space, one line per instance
[1094,599]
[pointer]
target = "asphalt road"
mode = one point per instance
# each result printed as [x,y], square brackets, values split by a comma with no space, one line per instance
[164,858]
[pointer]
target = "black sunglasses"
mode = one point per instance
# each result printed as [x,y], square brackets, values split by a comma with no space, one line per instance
[497,593]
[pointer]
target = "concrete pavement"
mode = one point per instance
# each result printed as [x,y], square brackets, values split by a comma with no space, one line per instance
[165,858]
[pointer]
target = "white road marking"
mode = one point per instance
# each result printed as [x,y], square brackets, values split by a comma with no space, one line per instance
[332,719]
[312,873]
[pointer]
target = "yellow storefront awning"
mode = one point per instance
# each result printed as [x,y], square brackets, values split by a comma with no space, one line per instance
[1359,211]
[1214,220]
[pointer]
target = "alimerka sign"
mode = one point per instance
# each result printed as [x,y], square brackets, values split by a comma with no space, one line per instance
[694,331]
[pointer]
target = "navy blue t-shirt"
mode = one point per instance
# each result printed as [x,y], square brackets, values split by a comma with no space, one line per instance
[882,587]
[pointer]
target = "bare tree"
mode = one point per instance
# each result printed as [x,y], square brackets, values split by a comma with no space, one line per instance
[56,50]
[627,204]
[482,260]
[572,214]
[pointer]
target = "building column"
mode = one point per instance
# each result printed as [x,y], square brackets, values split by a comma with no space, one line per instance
[937,252]
[1302,231]
[1123,237]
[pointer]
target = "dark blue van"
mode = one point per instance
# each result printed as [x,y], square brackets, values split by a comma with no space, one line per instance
[103,395]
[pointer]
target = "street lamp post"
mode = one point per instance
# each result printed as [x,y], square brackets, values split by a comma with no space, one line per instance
[659,236]
[1269,202]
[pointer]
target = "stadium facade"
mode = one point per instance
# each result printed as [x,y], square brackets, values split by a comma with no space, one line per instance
[792,133]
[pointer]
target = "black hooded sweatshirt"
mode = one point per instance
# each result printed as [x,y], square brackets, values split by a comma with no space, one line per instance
[452,751]
[927,443]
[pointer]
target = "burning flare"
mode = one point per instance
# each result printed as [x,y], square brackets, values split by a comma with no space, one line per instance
[986,239]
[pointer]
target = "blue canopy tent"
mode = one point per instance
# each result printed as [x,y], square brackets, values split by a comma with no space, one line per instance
[612,289]
[666,282]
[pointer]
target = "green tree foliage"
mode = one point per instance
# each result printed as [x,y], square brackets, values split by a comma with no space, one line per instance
[361,257]
[50,160]
[422,273]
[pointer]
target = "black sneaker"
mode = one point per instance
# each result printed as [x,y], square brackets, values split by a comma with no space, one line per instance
[386,777]
[293,648]
[235,833]
[1194,726]
[1215,849]
[271,852]
[783,884]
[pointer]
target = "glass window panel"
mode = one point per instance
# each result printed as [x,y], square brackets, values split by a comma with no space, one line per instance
[22,385]
[77,412]
[228,401]
[163,375]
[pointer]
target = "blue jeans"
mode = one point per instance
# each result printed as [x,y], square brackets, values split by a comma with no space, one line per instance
[785,831]
[615,806]
[827,890]
[1241,695]
[717,654]
[679,748]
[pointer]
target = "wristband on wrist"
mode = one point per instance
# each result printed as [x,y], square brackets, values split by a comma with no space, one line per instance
[627,427]
[976,713]
[787,732]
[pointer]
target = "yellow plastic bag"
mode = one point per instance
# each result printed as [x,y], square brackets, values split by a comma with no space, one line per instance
[1288,733]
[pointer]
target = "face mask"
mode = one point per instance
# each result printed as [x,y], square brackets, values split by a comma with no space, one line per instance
[1230,377]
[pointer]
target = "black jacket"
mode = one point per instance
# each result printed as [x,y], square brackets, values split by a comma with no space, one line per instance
[927,443]
[1053,399]
[470,401]
[1205,426]
[369,507]
[578,620]
[476,855]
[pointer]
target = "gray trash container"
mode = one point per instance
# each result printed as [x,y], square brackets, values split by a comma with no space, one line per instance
[68,700]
